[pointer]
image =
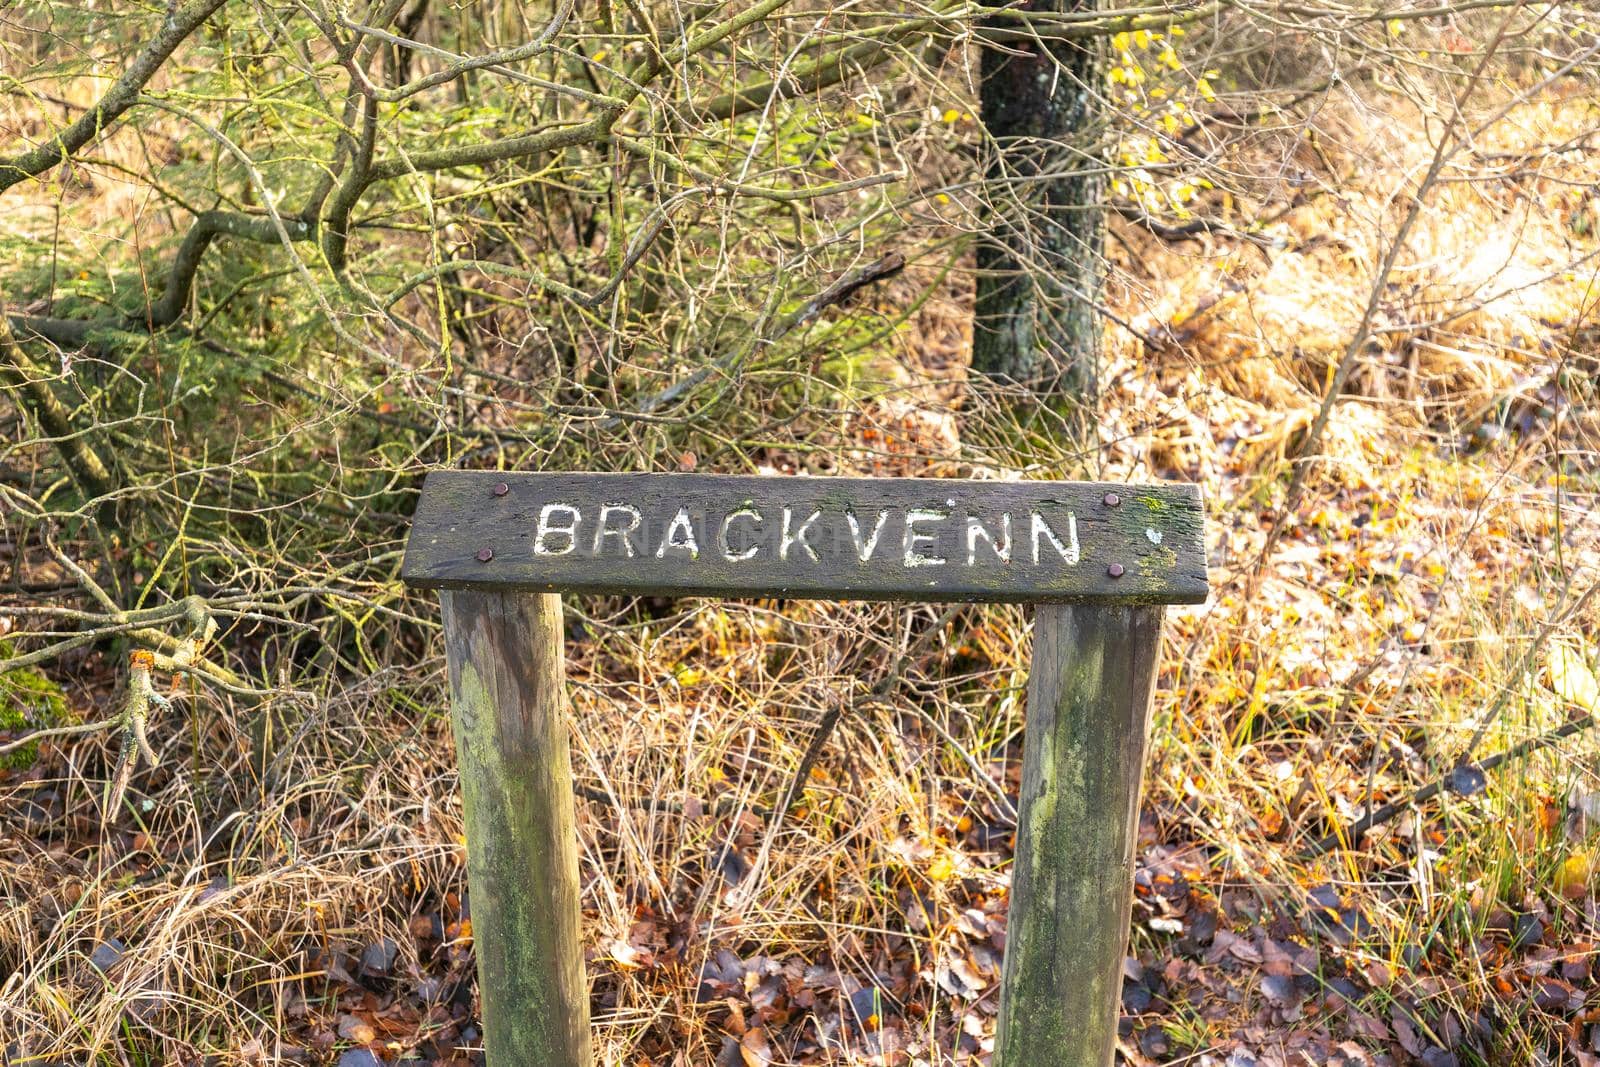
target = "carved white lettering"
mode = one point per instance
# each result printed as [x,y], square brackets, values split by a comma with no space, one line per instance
[915,539]
[546,529]
[1041,529]
[620,531]
[680,534]
[722,535]
[798,537]
[976,530]
[864,551]
[605,529]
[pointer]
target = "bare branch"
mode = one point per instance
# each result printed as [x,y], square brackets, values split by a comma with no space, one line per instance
[177,26]
[30,385]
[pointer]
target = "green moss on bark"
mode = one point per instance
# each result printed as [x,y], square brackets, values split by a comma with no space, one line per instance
[28,701]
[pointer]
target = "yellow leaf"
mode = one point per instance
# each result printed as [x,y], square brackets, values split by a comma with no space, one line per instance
[1572,877]
[1571,678]
[942,868]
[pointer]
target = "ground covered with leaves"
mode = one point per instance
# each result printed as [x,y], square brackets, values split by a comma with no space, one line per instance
[1411,646]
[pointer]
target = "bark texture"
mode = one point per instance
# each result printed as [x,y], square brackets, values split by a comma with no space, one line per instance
[1040,268]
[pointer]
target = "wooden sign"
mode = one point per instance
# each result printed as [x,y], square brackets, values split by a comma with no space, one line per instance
[1101,559]
[836,538]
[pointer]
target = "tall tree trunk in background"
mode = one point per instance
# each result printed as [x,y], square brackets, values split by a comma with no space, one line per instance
[1039,268]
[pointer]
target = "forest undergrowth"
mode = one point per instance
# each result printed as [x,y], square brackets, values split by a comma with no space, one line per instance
[1411,647]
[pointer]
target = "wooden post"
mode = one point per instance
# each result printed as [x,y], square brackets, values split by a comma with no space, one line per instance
[1072,883]
[507,698]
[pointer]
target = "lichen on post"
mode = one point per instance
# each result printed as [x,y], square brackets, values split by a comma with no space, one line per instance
[1072,883]
[507,699]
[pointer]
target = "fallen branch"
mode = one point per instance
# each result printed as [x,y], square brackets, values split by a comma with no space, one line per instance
[1347,835]
[177,654]
[135,739]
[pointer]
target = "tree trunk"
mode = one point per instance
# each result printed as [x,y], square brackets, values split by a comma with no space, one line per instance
[1040,267]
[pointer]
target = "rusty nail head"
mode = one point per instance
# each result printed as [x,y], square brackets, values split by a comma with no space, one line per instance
[501,489]
[1115,570]
[485,555]
[1112,500]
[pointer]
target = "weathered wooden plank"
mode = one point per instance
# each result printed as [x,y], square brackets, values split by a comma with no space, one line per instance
[1072,882]
[507,698]
[835,538]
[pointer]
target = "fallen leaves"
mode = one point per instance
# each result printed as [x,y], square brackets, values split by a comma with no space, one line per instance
[354,1028]
[1574,876]
[1572,679]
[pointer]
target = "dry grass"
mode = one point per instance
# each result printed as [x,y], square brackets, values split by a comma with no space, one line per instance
[1445,538]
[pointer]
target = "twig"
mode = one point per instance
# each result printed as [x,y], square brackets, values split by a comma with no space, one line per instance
[33,392]
[176,27]
[1539,639]
[830,719]
[885,267]
[1008,810]
[58,731]
[720,806]
[1349,834]
[1189,231]
[840,290]
[802,773]
[820,736]
[1450,142]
